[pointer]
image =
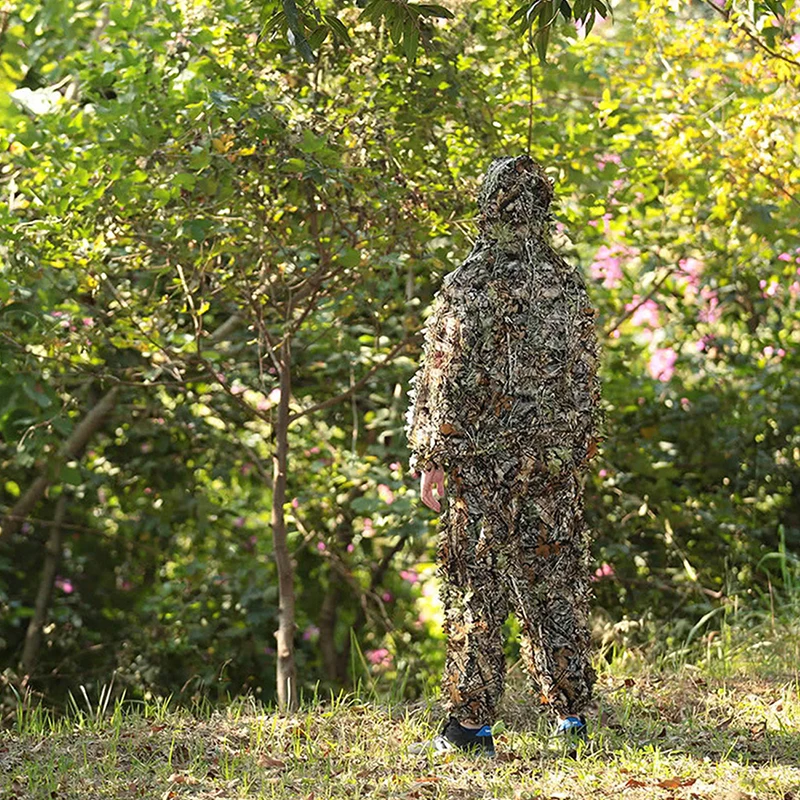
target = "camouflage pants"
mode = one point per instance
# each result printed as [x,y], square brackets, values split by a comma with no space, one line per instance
[514,544]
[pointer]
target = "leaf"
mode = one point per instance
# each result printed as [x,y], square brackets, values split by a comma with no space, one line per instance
[632,783]
[70,475]
[541,38]
[410,43]
[676,783]
[337,26]
[429,10]
[318,36]
[298,38]
[311,143]
[518,15]
[12,487]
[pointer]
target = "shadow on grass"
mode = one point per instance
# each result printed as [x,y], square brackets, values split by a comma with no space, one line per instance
[750,721]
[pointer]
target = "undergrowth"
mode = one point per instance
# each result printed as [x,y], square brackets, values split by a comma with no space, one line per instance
[718,719]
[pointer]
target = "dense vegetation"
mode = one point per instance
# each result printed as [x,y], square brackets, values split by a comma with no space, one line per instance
[217,256]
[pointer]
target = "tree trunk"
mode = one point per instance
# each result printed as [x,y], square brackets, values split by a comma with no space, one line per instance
[52,558]
[71,449]
[286,671]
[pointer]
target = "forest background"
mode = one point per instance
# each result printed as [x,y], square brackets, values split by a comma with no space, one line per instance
[222,227]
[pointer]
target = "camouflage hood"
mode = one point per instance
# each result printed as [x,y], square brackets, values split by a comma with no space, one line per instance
[515,195]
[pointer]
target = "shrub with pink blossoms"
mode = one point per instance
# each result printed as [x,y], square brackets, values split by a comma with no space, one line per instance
[661,365]
[380,658]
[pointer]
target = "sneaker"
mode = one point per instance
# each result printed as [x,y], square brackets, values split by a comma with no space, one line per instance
[455,736]
[573,728]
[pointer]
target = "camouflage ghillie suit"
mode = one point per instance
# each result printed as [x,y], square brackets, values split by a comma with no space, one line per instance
[506,402]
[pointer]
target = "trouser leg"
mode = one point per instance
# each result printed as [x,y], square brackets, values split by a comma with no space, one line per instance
[551,592]
[475,607]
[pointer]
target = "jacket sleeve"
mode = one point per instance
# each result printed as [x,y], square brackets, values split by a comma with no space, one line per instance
[432,428]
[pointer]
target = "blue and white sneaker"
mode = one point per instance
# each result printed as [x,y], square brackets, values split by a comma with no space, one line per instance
[454,737]
[572,728]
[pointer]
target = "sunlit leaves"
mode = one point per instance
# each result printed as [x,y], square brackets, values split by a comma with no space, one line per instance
[537,18]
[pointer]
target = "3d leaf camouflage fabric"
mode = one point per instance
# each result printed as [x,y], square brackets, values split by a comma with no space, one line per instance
[506,400]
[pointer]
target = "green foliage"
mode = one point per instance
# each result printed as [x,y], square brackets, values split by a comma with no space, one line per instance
[176,172]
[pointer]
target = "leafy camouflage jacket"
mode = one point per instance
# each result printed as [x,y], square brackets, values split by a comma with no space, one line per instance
[510,355]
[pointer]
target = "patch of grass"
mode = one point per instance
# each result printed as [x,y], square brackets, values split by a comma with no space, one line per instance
[723,724]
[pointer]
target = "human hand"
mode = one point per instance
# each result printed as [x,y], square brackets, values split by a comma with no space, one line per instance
[432,478]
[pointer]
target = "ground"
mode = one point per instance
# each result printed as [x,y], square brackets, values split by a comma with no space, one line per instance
[670,732]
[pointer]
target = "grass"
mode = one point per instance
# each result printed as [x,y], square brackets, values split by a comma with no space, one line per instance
[725,725]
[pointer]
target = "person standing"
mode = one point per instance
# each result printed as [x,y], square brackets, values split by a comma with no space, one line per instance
[506,404]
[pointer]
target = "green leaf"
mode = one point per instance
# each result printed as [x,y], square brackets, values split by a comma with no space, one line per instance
[294,165]
[429,10]
[410,43]
[185,180]
[318,36]
[338,28]
[541,38]
[71,475]
[12,487]
[296,35]
[311,143]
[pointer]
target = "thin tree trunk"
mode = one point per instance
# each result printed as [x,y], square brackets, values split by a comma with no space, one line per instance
[286,671]
[71,449]
[52,558]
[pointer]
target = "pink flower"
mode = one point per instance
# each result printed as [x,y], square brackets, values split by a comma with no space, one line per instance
[794,44]
[607,158]
[394,466]
[88,322]
[646,313]
[603,473]
[769,289]
[685,404]
[386,597]
[607,264]
[295,503]
[65,584]
[784,257]
[409,575]
[274,396]
[380,658]
[702,343]
[321,546]
[350,547]
[385,493]
[125,586]
[711,313]
[603,571]
[662,364]
[311,632]
[239,522]
[369,530]
[794,289]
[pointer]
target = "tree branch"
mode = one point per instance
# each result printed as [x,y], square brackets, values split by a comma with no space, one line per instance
[332,401]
